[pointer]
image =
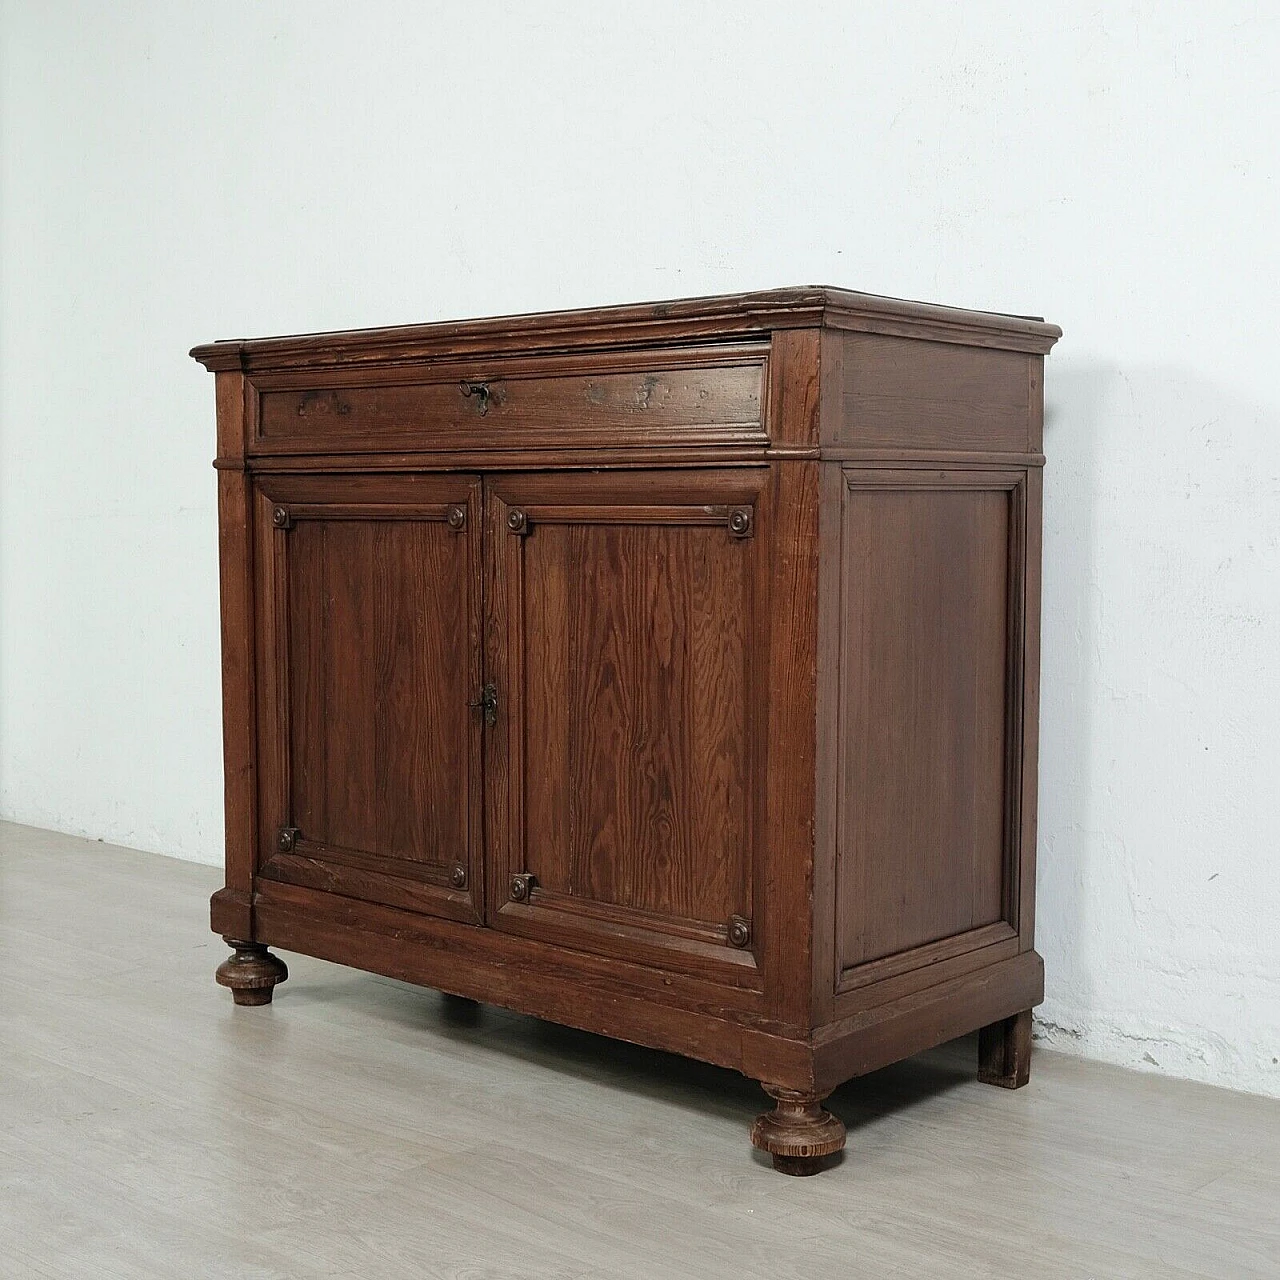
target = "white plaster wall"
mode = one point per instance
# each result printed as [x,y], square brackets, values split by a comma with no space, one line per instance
[174,172]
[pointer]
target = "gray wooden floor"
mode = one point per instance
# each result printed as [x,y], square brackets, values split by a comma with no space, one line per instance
[363,1128]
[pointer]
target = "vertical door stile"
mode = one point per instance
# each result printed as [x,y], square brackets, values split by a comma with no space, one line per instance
[514,720]
[497,773]
[476,538]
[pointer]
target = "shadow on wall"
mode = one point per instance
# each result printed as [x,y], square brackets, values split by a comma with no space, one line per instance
[1074,397]
[1159,706]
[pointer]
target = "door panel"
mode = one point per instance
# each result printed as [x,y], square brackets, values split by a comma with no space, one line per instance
[623,645]
[373,587]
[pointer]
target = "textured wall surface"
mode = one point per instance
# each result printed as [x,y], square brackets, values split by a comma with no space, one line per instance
[175,172]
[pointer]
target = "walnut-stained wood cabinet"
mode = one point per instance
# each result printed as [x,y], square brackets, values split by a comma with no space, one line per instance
[668,671]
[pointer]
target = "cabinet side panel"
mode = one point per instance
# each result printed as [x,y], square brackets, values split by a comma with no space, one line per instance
[1028,763]
[902,393]
[924,666]
[231,909]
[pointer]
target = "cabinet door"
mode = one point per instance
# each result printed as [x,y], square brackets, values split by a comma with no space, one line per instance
[622,779]
[369,653]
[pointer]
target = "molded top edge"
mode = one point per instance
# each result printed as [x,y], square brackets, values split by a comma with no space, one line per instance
[725,315]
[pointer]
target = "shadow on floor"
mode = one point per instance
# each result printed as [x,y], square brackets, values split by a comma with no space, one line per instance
[676,1080]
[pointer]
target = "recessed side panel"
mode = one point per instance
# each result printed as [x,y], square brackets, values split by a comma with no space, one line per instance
[899,393]
[930,608]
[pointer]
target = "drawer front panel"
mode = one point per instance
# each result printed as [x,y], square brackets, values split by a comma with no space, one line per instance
[477,407]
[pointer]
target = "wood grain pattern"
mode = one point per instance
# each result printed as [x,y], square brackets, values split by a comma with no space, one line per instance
[904,394]
[654,795]
[798,1133]
[1026,776]
[925,670]
[931,1014]
[378,609]
[251,973]
[379,634]
[629,682]
[787,745]
[795,386]
[1004,1051]
[824,971]
[682,320]
[667,671]
[630,1001]
[232,910]
[489,407]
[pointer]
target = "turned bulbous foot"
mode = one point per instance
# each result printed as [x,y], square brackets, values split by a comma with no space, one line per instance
[251,973]
[798,1133]
[1004,1052]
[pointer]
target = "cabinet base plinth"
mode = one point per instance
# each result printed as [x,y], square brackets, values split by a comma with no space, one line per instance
[251,973]
[798,1133]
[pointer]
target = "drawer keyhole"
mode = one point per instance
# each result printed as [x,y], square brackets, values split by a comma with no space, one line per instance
[480,390]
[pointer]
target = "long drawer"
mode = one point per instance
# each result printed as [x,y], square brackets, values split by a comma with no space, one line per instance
[634,398]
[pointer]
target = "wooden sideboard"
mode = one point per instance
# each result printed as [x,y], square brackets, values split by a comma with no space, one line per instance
[668,671]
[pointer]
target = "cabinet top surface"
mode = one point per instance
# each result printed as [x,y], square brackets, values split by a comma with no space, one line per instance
[726,317]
